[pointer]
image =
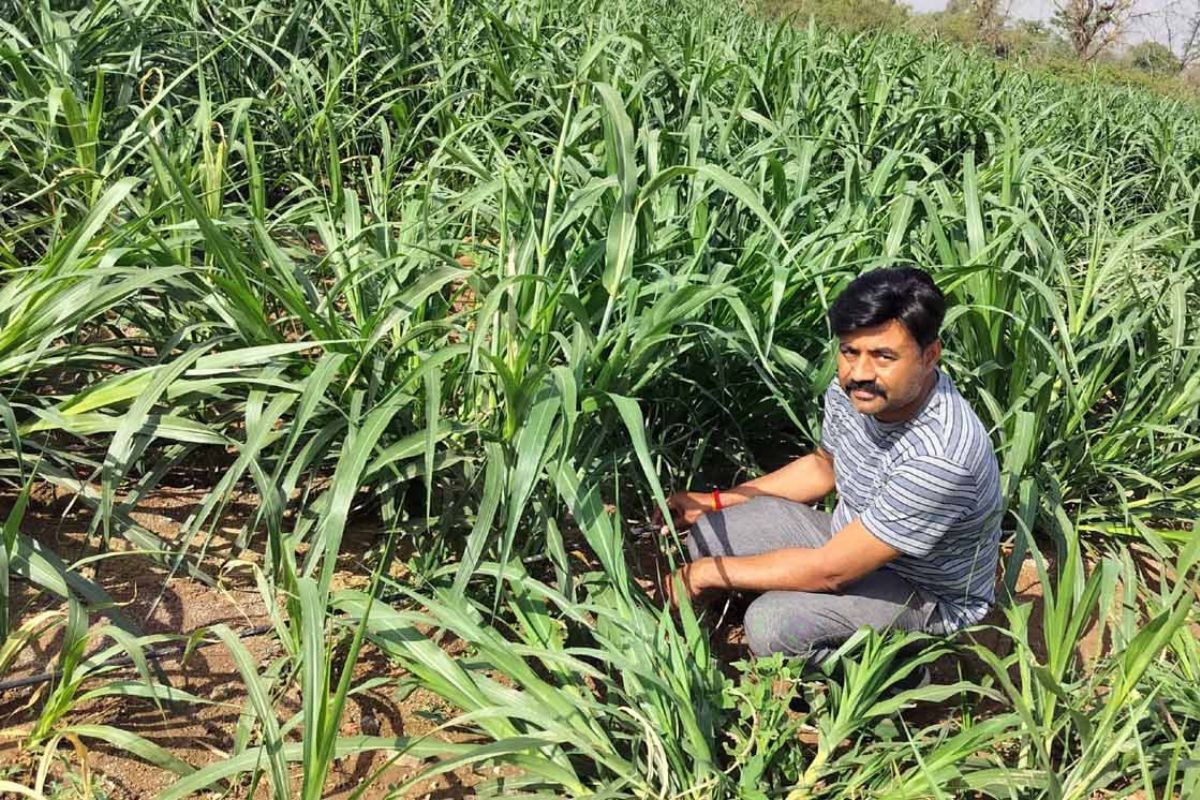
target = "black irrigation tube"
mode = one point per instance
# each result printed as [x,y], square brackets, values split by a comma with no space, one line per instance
[152,654]
[162,651]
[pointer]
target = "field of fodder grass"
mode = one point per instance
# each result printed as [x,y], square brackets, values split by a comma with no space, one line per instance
[422,303]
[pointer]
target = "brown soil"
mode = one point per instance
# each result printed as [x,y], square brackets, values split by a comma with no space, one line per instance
[201,735]
[161,602]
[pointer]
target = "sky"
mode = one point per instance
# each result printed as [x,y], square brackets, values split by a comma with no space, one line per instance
[1148,25]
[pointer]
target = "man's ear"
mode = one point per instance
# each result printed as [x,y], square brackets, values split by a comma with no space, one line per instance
[932,353]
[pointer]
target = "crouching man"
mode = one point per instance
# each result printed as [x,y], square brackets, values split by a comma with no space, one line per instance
[913,540]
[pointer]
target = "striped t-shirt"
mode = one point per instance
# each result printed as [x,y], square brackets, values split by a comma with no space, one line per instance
[929,487]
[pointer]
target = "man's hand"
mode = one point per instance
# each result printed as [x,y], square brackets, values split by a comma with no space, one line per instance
[685,508]
[852,553]
[691,576]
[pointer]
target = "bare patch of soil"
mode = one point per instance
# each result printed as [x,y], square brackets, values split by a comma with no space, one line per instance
[166,601]
[160,602]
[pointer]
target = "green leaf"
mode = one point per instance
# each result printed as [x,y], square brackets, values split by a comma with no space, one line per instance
[260,699]
[132,743]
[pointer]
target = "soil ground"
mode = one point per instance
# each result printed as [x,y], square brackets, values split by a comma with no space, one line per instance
[200,735]
[161,602]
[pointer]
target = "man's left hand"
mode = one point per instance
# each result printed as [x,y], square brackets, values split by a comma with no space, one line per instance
[691,576]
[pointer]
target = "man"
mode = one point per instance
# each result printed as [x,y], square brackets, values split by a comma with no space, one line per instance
[914,538]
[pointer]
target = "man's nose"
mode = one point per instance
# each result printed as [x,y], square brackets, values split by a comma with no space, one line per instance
[862,371]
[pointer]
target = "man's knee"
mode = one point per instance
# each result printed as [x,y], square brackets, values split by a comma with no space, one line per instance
[713,534]
[759,630]
[701,537]
[709,536]
[776,623]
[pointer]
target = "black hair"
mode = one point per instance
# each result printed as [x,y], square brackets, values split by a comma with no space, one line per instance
[874,298]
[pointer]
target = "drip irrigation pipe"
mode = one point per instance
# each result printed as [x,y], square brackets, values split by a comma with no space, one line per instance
[168,650]
[152,654]
[157,652]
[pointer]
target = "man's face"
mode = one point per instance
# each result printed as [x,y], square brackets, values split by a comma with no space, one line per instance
[884,371]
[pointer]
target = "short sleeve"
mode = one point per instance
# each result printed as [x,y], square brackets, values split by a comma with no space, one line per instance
[923,498]
[829,420]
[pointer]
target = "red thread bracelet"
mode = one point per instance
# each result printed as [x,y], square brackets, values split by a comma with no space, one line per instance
[716,495]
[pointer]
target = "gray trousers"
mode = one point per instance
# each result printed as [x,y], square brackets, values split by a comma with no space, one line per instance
[806,624]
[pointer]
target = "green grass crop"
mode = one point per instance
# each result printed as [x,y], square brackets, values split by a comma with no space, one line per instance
[468,271]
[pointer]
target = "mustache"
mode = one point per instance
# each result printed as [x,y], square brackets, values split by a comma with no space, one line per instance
[865,386]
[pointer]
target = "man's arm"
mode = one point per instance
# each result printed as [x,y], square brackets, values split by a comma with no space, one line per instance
[806,480]
[852,553]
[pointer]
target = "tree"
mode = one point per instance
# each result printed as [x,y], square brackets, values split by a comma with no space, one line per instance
[990,17]
[1092,26]
[1155,58]
[854,15]
[1181,20]
[975,21]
